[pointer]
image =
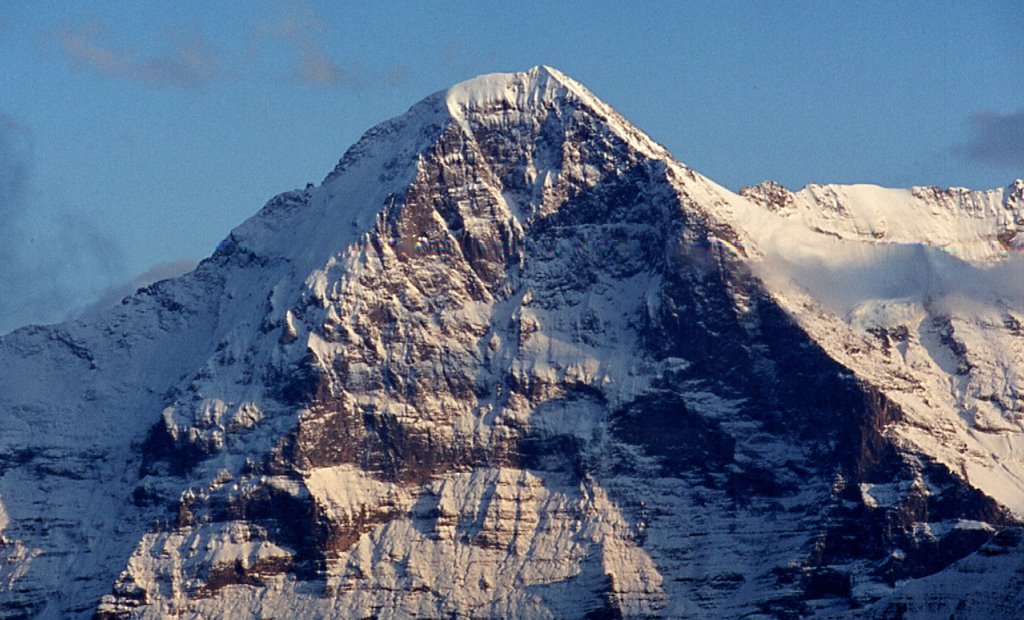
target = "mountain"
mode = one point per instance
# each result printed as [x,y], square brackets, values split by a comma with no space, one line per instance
[512,359]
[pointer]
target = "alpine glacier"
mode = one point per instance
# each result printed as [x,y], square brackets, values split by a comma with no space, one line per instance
[511,359]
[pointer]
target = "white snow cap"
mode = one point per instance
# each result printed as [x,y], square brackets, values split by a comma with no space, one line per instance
[536,88]
[541,84]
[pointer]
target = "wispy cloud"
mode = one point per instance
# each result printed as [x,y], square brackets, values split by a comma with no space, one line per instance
[315,67]
[113,295]
[398,75]
[997,139]
[452,54]
[190,62]
[303,29]
[47,260]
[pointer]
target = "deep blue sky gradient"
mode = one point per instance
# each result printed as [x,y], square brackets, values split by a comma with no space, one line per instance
[163,125]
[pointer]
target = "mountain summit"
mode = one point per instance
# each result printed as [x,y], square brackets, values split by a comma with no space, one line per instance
[511,359]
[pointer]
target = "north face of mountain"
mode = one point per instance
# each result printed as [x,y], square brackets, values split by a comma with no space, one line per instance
[510,359]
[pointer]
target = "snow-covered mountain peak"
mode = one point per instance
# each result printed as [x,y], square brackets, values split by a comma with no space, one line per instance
[538,89]
[541,111]
[539,85]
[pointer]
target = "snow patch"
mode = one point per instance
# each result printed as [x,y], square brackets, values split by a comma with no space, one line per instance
[348,493]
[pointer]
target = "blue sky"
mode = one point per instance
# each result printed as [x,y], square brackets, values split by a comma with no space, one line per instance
[133,134]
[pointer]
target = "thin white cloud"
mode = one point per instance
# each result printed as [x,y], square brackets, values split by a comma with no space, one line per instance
[398,75]
[49,256]
[81,45]
[315,67]
[452,54]
[301,21]
[113,295]
[190,62]
[302,28]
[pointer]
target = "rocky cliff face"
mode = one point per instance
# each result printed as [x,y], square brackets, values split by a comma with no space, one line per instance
[509,360]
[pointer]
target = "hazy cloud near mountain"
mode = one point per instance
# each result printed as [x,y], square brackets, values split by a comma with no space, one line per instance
[49,259]
[54,266]
[113,295]
[13,177]
[997,140]
[190,62]
[303,28]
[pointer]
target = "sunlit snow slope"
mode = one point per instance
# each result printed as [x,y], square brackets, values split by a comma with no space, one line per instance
[921,292]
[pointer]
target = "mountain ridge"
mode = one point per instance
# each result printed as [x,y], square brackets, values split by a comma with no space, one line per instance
[971,224]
